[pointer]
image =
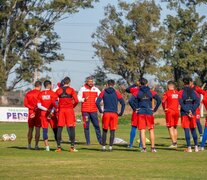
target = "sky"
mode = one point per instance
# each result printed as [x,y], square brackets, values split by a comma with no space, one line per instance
[75,37]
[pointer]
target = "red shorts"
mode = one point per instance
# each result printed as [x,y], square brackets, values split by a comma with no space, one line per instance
[171,118]
[66,117]
[45,121]
[110,120]
[145,121]
[34,119]
[198,114]
[134,119]
[188,122]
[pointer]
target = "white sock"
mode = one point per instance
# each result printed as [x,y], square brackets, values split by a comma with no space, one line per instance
[47,148]
[104,147]
[110,147]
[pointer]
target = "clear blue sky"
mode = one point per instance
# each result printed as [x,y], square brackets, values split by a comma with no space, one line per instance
[75,33]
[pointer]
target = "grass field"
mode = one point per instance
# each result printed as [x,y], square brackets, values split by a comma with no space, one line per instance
[16,162]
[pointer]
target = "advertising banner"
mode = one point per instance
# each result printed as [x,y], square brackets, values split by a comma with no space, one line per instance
[13,114]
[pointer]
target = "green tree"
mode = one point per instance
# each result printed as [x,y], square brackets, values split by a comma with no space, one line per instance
[185,42]
[128,40]
[100,77]
[28,42]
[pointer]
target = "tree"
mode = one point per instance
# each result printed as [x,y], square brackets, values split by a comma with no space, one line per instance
[128,40]
[28,41]
[185,42]
[100,76]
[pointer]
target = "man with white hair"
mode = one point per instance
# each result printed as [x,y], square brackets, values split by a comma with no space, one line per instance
[87,96]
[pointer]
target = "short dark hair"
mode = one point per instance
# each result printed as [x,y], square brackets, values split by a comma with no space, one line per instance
[66,80]
[171,83]
[143,81]
[111,82]
[186,80]
[38,84]
[46,83]
[89,78]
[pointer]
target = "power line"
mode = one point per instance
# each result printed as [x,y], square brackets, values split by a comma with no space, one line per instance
[75,42]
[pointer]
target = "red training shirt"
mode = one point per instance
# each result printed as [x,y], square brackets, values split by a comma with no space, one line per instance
[170,100]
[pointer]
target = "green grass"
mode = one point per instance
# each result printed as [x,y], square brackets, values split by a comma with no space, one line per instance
[16,162]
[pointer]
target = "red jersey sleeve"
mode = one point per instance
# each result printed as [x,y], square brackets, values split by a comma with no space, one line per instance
[75,98]
[199,90]
[135,93]
[101,94]
[58,92]
[180,94]
[26,103]
[133,90]
[164,98]
[119,95]
[153,93]
[39,98]
[205,100]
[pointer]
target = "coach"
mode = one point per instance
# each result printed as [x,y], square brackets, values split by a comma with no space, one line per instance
[87,96]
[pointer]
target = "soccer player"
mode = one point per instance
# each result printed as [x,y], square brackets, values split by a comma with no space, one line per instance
[141,103]
[134,120]
[205,129]
[170,104]
[68,100]
[198,91]
[47,104]
[30,101]
[87,96]
[189,102]
[110,98]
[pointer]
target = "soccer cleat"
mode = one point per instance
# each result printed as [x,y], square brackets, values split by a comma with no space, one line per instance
[29,146]
[196,149]
[110,149]
[129,147]
[201,148]
[37,148]
[47,148]
[153,150]
[172,146]
[144,150]
[58,150]
[72,149]
[188,149]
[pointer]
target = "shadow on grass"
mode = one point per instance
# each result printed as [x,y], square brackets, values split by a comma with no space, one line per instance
[170,138]
[25,148]
[40,149]
[114,149]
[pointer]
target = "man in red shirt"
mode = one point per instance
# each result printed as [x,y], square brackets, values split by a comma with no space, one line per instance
[30,101]
[87,96]
[170,104]
[68,100]
[47,104]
